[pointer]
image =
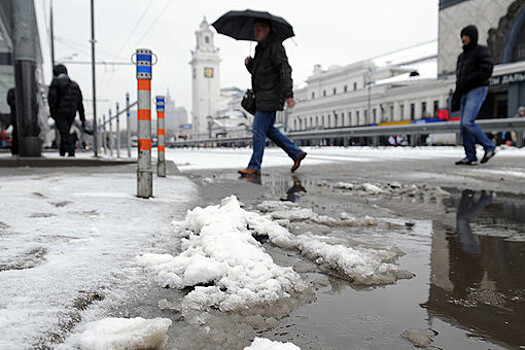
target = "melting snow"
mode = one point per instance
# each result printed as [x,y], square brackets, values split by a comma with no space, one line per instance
[266,344]
[122,333]
[230,269]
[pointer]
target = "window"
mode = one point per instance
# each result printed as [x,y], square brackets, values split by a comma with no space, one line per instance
[311,121]
[402,109]
[355,86]
[335,91]
[324,93]
[329,125]
[391,113]
[350,118]
[295,124]
[313,95]
[374,115]
[317,121]
[207,39]
[412,111]
[436,107]
[342,119]
[357,116]
[346,88]
[423,108]
[322,121]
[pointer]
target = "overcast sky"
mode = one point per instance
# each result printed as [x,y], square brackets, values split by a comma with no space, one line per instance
[327,32]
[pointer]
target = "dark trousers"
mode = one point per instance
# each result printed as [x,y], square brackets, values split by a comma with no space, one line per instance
[14,142]
[67,144]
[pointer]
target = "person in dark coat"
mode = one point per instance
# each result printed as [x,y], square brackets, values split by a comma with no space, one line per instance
[474,68]
[11,101]
[65,99]
[272,86]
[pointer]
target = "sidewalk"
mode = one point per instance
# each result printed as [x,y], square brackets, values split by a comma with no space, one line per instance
[68,234]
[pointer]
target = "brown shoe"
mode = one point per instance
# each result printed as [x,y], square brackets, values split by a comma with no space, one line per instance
[249,172]
[297,162]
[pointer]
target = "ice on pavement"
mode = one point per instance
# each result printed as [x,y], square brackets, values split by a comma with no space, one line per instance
[266,344]
[122,333]
[230,270]
[64,241]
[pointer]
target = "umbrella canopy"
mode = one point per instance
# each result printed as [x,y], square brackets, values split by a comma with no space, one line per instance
[239,24]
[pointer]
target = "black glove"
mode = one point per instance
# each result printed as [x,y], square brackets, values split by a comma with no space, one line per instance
[88,130]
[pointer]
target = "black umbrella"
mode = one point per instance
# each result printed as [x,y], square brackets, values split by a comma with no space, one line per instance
[239,24]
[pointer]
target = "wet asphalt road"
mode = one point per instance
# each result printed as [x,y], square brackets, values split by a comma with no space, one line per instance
[470,273]
[469,287]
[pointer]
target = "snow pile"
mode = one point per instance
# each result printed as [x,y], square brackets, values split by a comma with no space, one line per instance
[230,270]
[227,265]
[123,333]
[289,212]
[266,344]
[393,189]
[361,265]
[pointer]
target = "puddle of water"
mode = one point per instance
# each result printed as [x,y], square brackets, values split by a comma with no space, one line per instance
[470,284]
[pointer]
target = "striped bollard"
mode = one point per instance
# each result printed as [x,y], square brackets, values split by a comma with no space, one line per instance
[144,172]
[118,131]
[128,125]
[161,138]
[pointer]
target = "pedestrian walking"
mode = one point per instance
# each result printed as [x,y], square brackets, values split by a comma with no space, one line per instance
[474,68]
[272,86]
[11,101]
[65,99]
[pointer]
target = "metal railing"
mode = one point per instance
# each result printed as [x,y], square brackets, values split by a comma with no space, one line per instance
[108,135]
[374,132]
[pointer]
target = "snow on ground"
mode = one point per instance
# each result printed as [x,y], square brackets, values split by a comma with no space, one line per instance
[219,249]
[121,334]
[64,238]
[231,271]
[266,344]
[233,158]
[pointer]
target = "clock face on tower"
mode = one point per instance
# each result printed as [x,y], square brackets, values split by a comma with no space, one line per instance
[208,72]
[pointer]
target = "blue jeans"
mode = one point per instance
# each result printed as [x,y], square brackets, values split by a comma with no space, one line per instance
[471,133]
[262,127]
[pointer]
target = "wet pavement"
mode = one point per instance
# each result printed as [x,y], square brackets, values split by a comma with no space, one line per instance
[467,251]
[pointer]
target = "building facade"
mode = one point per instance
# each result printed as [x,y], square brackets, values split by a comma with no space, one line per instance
[361,94]
[501,25]
[205,72]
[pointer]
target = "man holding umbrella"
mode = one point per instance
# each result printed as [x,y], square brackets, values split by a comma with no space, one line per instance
[271,80]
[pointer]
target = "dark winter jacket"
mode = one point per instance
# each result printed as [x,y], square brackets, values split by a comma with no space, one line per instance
[474,66]
[271,75]
[65,99]
[12,104]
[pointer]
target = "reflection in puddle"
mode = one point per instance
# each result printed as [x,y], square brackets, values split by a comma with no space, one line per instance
[477,280]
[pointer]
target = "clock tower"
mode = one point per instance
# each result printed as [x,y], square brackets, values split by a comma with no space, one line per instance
[205,79]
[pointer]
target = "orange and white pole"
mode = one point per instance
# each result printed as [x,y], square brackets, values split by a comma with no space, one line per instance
[161,137]
[144,172]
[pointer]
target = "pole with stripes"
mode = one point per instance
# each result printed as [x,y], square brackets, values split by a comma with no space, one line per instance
[128,124]
[144,172]
[161,137]
[118,131]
